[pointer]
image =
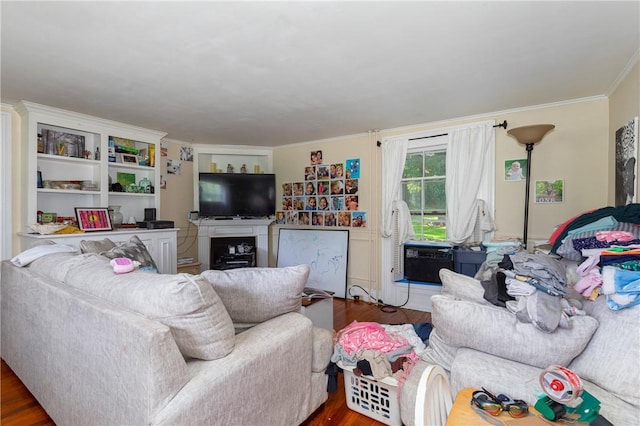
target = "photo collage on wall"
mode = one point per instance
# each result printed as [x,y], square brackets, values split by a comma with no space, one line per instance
[328,195]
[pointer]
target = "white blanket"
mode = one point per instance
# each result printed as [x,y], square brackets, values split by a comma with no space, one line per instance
[29,255]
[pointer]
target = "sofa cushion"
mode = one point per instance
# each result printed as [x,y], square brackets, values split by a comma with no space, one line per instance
[96,246]
[258,294]
[492,329]
[133,249]
[187,304]
[611,359]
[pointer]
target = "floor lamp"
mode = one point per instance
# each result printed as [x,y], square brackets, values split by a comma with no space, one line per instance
[529,136]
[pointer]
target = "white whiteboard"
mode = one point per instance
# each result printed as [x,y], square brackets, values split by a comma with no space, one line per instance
[324,251]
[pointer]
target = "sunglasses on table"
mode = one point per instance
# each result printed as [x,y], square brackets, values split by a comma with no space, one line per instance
[494,405]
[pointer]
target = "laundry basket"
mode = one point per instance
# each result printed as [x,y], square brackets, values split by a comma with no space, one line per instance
[377,399]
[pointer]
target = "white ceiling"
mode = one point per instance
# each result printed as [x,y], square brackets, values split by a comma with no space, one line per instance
[275,73]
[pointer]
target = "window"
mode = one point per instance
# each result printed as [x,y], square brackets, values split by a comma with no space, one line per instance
[423,187]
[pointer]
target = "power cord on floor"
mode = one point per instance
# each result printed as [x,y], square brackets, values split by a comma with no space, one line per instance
[384,307]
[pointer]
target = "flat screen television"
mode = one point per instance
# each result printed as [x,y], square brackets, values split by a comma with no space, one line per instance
[237,194]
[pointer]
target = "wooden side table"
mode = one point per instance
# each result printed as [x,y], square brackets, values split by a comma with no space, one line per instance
[190,268]
[463,414]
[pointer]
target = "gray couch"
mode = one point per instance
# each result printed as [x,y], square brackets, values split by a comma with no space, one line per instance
[482,345]
[97,348]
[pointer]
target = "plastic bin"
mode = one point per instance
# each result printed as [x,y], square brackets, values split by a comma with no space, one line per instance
[377,399]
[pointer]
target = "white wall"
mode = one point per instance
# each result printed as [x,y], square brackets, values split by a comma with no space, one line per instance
[576,152]
[624,104]
[6,186]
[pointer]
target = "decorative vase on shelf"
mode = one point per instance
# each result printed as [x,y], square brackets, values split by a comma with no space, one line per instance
[145,185]
[115,216]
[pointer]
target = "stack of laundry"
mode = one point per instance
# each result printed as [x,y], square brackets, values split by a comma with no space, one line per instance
[597,229]
[614,272]
[607,243]
[531,286]
[378,350]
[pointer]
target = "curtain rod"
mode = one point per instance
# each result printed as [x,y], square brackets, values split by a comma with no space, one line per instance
[503,124]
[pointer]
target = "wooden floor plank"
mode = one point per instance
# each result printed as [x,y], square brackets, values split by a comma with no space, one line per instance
[20,408]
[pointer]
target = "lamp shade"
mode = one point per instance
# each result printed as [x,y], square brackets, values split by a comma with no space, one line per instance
[530,134]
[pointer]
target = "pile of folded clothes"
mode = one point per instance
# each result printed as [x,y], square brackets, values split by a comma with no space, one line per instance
[597,229]
[380,350]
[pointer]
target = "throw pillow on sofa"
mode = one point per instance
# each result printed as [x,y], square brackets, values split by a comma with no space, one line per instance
[188,305]
[96,246]
[133,249]
[253,295]
[461,286]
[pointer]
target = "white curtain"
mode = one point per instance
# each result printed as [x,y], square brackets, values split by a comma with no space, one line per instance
[470,180]
[394,154]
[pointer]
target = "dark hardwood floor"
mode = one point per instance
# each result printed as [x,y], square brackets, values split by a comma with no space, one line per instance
[20,408]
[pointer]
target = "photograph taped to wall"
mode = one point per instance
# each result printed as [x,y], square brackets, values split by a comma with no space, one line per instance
[359,219]
[317,219]
[310,188]
[322,172]
[344,219]
[515,170]
[351,186]
[323,187]
[336,171]
[315,157]
[353,169]
[310,173]
[186,153]
[287,189]
[549,191]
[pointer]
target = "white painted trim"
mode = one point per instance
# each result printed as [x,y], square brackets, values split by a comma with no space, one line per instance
[6,228]
[623,74]
[444,124]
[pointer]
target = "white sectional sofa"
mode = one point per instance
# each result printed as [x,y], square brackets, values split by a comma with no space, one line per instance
[483,345]
[96,348]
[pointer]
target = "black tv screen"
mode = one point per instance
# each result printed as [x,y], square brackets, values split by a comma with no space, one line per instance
[243,194]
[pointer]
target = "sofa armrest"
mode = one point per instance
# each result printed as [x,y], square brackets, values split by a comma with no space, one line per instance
[266,379]
[322,349]
[86,360]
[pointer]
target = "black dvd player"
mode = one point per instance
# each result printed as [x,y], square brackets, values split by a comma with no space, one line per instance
[156,224]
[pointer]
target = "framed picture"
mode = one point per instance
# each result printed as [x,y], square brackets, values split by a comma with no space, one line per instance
[549,191]
[626,183]
[125,179]
[93,219]
[129,159]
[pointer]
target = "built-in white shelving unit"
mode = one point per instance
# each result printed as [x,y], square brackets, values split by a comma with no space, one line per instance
[59,163]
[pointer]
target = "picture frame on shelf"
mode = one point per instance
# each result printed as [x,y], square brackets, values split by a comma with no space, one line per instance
[126,179]
[128,159]
[93,219]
